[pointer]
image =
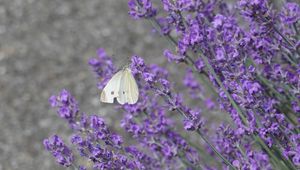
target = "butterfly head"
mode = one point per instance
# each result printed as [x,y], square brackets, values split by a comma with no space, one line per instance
[126,66]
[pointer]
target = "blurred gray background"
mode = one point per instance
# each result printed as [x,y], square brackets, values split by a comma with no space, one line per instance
[44,47]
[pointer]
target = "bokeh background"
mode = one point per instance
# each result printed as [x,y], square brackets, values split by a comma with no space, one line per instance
[44,47]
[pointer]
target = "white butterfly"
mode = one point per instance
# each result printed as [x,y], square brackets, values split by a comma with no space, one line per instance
[121,86]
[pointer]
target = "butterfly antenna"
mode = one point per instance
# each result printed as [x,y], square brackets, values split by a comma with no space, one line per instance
[128,60]
[127,63]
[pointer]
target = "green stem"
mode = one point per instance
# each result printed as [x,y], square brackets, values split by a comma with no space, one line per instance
[208,85]
[186,163]
[270,153]
[74,167]
[269,84]
[209,143]
[206,157]
[285,39]
[212,71]
[288,162]
[173,42]
[278,96]
[296,29]
[215,150]
[167,96]
[287,57]
[261,142]
[242,152]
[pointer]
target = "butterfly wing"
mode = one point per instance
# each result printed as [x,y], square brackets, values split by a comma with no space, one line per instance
[111,90]
[129,92]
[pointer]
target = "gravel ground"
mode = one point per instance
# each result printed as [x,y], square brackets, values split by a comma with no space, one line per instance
[44,47]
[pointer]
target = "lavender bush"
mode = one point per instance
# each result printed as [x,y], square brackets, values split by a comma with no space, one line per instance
[240,107]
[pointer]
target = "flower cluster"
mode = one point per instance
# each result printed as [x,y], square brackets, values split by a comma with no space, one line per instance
[290,14]
[141,9]
[95,142]
[59,150]
[103,66]
[67,106]
[240,103]
[253,65]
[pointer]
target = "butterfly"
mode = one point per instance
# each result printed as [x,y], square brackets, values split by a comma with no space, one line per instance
[121,86]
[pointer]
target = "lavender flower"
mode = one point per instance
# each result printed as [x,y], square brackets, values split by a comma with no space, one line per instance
[172,57]
[59,150]
[290,13]
[103,66]
[93,141]
[67,106]
[141,9]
